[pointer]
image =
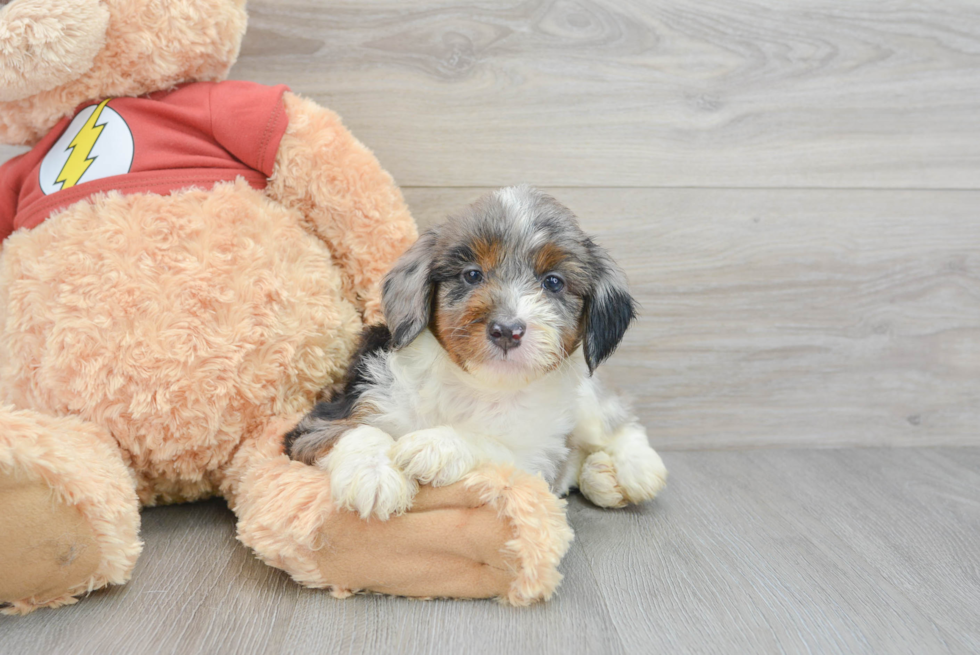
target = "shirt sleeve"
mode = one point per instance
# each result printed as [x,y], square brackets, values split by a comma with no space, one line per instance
[8,197]
[249,120]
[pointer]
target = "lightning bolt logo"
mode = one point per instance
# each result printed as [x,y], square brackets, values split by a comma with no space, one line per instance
[81,147]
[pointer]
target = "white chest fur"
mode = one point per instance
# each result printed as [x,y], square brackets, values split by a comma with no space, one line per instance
[419,387]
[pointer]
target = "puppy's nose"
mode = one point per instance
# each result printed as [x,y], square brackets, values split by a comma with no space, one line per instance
[506,335]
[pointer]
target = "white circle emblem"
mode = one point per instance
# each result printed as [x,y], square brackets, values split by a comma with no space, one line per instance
[97,144]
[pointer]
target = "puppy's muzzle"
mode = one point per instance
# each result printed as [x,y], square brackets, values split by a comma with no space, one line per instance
[506,335]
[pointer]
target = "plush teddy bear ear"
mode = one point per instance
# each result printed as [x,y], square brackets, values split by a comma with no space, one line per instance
[406,293]
[609,309]
[37,59]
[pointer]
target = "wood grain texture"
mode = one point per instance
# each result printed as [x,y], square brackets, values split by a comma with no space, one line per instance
[820,551]
[630,93]
[782,317]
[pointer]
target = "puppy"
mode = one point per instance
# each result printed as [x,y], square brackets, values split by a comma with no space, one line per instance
[479,361]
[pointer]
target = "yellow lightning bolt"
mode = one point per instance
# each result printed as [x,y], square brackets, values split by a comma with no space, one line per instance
[81,146]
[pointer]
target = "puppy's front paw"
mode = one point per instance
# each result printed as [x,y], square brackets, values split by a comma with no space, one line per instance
[436,455]
[363,478]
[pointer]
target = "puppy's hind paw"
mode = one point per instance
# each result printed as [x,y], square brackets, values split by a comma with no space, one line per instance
[597,481]
[630,477]
[641,474]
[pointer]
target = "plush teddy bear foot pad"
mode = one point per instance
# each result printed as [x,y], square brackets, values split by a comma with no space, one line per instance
[48,548]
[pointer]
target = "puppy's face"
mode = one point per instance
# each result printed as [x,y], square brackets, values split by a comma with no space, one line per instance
[509,287]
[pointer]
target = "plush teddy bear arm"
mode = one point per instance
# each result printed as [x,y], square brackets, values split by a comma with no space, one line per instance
[70,518]
[499,533]
[347,199]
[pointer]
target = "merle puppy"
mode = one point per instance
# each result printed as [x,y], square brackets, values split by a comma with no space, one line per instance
[480,361]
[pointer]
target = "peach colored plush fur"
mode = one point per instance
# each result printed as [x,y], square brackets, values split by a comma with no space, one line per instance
[154,348]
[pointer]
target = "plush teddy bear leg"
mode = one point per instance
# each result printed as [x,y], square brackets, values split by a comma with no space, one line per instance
[70,518]
[499,533]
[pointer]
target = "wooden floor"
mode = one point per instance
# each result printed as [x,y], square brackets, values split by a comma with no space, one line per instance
[766,551]
[793,189]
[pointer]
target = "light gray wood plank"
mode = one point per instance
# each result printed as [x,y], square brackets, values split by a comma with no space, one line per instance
[576,621]
[829,551]
[631,93]
[782,317]
[797,551]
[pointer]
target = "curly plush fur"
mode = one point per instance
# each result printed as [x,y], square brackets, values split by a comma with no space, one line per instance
[243,326]
[74,34]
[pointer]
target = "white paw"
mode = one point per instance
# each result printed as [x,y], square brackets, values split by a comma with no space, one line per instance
[597,481]
[640,472]
[436,455]
[363,478]
[629,471]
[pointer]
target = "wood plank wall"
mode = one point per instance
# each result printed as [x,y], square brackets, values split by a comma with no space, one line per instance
[793,187]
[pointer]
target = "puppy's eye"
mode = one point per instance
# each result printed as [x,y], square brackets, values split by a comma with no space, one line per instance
[473,276]
[553,283]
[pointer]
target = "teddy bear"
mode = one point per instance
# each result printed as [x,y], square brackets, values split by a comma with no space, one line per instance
[185,261]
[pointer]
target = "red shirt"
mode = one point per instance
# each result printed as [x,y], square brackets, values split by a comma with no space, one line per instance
[194,136]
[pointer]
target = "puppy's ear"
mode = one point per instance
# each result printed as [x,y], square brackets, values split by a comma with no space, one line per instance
[406,293]
[609,310]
